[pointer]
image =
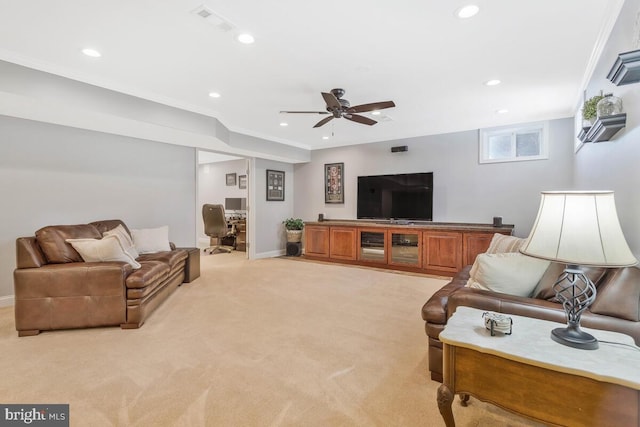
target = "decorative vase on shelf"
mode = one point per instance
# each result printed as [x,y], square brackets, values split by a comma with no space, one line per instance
[609,105]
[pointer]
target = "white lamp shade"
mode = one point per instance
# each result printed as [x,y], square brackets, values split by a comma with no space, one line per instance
[579,227]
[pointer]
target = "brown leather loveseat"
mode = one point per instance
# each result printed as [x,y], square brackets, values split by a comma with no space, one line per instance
[56,289]
[616,308]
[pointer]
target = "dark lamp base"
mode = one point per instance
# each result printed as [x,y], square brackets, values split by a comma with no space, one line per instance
[574,337]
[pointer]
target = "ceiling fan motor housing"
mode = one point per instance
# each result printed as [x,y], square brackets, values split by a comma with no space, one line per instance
[337,92]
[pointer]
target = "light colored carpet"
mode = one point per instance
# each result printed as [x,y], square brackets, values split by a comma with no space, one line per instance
[270,342]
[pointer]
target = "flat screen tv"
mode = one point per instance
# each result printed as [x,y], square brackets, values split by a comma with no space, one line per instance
[407,196]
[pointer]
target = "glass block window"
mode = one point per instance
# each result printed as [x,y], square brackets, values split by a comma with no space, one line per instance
[512,144]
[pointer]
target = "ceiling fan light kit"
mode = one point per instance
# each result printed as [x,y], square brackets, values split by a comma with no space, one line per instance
[338,107]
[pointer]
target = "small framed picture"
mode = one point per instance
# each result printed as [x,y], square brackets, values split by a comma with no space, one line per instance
[242,181]
[334,183]
[275,185]
[231,179]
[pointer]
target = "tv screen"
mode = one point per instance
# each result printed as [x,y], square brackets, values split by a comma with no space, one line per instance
[406,196]
[235,203]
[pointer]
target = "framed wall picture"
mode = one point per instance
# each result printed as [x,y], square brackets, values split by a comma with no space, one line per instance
[231,179]
[242,181]
[334,183]
[275,185]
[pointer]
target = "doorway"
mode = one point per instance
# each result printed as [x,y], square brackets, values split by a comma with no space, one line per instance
[224,179]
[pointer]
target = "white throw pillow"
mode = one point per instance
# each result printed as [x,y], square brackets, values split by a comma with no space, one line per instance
[502,243]
[125,240]
[507,273]
[151,240]
[102,250]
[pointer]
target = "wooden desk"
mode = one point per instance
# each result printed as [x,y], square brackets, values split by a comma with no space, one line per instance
[531,375]
[239,229]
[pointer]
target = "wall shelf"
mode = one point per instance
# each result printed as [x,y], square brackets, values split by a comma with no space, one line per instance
[626,69]
[603,129]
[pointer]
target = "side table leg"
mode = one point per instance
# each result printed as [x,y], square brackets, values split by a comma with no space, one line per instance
[445,400]
[464,398]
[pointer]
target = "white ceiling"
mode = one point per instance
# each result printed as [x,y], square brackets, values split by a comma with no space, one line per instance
[414,52]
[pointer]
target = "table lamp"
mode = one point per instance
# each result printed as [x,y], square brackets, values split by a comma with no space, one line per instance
[577,228]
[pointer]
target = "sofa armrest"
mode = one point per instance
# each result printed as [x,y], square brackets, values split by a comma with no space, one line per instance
[507,304]
[435,309]
[71,295]
[71,279]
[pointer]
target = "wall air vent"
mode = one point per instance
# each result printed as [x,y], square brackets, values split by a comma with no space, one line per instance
[213,18]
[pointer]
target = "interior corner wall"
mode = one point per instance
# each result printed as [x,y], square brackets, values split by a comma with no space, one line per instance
[269,239]
[212,189]
[464,190]
[51,174]
[613,165]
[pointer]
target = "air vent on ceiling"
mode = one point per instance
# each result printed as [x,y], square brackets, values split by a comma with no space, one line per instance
[213,18]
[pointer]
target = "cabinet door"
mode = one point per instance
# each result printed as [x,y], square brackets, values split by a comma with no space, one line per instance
[474,244]
[405,247]
[372,245]
[316,241]
[343,243]
[442,251]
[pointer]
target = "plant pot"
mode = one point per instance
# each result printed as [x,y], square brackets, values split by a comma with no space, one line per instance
[294,236]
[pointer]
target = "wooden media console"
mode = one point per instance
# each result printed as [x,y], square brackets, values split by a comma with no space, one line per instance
[424,247]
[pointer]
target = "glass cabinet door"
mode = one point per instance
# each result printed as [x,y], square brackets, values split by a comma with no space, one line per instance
[405,248]
[372,246]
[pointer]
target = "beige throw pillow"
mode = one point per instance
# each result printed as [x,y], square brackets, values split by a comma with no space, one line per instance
[125,240]
[151,240]
[501,243]
[507,273]
[102,250]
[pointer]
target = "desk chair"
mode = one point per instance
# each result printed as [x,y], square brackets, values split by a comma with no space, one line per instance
[215,226]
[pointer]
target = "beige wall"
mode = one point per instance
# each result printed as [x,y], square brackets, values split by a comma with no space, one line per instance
[464,190]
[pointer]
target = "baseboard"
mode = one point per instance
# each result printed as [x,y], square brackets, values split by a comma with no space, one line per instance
[7,301]
[271,254]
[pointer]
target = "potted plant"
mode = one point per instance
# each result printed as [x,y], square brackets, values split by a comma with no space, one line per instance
[294,227]
[589,110]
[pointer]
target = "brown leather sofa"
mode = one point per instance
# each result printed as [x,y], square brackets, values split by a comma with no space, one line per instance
[616,308]
[56,289]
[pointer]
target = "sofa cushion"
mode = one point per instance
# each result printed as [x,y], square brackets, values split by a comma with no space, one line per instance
[151,273]
[109,224]
[508,273]
[544,289]
[52,241]
[151,240]
[171,258]
[125,239]
[501,243]
[106,249]
[619,295]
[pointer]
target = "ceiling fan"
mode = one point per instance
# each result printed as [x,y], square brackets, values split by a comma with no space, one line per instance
[338,107]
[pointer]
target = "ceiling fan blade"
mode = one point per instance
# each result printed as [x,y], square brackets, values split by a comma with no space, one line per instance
[304,112]
[371,107]
[360,119]
[323,121]
[331,100]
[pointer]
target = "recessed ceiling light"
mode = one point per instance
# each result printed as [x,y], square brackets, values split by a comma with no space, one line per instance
[325,137]
[246,38]
[467,11]
[493,82]
[502,111]
[214,94]
[375,113]
[283,124]
[91,52]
